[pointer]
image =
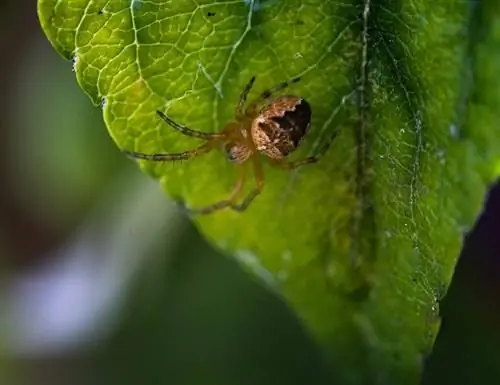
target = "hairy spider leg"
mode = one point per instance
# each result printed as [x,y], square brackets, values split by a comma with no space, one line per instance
[281,86]
[160,157]
[243,98]
[291,165]
[229,202]
[189,132]
[296,163]
[259,183]
[252,108]
[259,180]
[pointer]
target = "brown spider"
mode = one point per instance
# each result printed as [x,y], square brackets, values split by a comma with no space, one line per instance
[273,127]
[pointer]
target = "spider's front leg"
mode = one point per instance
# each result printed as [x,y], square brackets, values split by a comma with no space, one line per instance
[188,131]
[239,111]
[162,157]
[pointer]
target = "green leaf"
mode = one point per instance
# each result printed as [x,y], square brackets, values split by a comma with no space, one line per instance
[362,245]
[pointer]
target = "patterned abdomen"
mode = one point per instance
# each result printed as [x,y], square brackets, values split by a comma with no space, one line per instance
[281,125]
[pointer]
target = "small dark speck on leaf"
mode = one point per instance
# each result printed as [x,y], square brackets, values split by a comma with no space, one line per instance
[300,22]
[210,14]
[100,12]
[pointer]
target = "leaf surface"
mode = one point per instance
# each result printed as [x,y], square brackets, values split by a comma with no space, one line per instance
[362,245]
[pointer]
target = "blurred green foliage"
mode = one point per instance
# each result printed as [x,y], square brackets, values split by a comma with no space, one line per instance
[71,159]
[202,320]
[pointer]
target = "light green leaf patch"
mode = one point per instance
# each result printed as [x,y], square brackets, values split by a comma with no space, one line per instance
[362,244]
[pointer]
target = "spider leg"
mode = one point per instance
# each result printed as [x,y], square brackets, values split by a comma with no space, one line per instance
[297,163]
[226,202]
[161,157]
[243,97]
[267,93]
[250,111]
[187,131]
[291,165]
[259,183]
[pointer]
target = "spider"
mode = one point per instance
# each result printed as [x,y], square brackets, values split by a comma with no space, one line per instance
[271,126]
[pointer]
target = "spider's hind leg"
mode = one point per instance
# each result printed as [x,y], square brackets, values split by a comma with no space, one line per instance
[228,202]
[291,165]
[259,184]
[252,108]
[281,86]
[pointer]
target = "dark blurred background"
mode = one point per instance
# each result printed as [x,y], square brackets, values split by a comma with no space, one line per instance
[102,281]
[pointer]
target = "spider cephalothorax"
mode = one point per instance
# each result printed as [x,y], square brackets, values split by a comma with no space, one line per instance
[273,127]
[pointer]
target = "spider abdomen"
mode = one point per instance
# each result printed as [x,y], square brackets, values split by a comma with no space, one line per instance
[281,125]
